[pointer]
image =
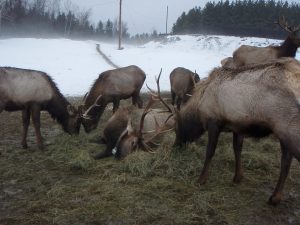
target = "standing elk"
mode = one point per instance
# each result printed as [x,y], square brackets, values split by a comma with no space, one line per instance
[131,128]
[182,84]
[111,86]
[246,55]
[31,92]
[250,101]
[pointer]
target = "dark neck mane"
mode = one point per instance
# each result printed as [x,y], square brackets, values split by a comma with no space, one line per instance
[57,107]
[191,127]
[287,48]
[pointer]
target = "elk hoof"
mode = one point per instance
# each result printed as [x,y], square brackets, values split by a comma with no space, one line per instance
[275,200]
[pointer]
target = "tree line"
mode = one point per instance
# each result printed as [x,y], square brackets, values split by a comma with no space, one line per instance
[56,18]
[238,18]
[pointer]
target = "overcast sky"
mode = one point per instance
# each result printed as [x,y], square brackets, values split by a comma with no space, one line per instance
[140,15]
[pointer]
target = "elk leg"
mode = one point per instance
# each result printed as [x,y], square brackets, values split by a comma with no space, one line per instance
[136,100]
[173,95]
[36,114]
[116,104]
[286,160]
[237,147]
[178,102]
[213,135]
[26,122]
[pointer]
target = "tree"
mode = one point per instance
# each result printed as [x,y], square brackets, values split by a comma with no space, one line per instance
[109,29]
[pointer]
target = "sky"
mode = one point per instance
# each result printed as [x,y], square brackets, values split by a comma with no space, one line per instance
[141,16]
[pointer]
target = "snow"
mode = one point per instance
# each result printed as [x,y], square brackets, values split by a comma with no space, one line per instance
[74,65]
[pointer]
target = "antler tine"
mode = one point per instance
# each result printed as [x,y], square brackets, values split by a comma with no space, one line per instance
[151,91]
[84,98]
[145,112]
[159,129]
[85,115]
[284,24]
[158,95]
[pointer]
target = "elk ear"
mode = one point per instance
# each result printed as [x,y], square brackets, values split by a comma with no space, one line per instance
[71,110]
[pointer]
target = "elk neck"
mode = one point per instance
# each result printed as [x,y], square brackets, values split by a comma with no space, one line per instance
[189,122]
[57,107]
[287,48]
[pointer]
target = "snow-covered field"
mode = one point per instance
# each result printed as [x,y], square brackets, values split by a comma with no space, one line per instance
[74,65]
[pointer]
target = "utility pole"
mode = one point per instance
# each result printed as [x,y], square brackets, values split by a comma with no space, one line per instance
[120,25]
[167,19]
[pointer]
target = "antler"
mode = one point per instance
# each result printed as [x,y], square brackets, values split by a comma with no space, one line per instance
[158,94]
[145,112]
[85,115]
[284,25]
[84,98]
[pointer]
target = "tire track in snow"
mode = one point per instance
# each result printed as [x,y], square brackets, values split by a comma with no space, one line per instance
[105,57]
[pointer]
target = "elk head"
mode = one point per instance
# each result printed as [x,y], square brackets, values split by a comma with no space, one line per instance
[293,32]
[90,116]
[74,120]
[131,139]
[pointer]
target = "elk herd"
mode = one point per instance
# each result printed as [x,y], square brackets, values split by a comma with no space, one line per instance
[256,92]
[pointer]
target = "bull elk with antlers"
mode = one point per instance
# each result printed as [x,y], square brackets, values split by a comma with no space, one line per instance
[131,128]
[111,86]
[31,92]
[182,83]
[246,55]
[249,101]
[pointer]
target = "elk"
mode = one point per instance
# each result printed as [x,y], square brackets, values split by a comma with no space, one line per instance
[182,84]
[111,86]
[246,55]
[33,91]
[250,101]
[131,128]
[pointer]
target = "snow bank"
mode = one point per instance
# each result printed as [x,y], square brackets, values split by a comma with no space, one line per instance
[74,65]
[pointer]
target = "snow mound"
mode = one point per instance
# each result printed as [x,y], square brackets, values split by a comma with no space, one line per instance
[74,65]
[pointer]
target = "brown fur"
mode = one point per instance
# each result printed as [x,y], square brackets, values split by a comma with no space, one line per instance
[249,101]
[246,55]
[182,84]
[31,92]
[118,123]
[113,85]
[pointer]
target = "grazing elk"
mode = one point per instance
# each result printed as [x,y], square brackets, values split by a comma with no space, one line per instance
[249,101]
[31,92]
[111,86]
[246,55]
[132,128]
[182,84]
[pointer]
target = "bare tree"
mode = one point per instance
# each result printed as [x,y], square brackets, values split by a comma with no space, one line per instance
[83,17]
[68,8]
[40,6]
[53,7]
[124,29]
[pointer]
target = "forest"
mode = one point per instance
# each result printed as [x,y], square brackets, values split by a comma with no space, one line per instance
[52,18]
[238,18]
[62,18]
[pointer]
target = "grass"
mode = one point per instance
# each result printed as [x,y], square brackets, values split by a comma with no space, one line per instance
[64,185]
